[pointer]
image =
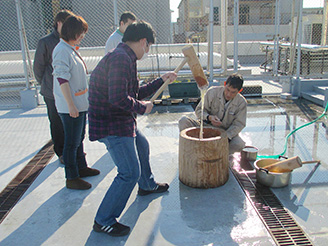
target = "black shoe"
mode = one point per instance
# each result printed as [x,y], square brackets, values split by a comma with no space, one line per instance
[160,188]
[116,230]
[86,172]
[77,184]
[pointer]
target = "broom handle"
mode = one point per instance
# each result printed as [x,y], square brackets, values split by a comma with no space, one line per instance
[308,162]
[159,91]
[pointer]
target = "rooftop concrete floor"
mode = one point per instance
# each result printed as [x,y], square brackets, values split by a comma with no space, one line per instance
[50,214]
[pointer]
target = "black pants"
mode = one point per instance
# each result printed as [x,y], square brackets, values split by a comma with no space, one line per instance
[56,126]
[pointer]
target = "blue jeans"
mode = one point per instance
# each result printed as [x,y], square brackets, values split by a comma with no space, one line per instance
[73,153]
[131,156]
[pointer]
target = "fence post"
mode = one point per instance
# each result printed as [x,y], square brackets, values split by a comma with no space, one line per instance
[299,52]
[224,11]
[20,27]
[324,23]
[235,35]
[116,24]
[276,39]
[293,37]
[210,47]
[28,96]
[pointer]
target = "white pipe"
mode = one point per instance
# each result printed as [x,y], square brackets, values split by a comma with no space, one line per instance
[293,44]
[171,29]
[20,26]
[235,36]
[224,12]
[116,24]
[291,39]
[300,26]
[291,34]
[276,39]
[325,24]
[211,19]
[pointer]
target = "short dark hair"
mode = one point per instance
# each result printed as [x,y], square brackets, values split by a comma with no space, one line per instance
[139,30]
[73,27]
[62,16]
[126,16]
[235,81]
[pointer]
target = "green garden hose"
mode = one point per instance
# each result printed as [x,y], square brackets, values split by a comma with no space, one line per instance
[292,132]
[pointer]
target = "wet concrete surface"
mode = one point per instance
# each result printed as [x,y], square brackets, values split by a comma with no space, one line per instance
[49,214]
[268,123]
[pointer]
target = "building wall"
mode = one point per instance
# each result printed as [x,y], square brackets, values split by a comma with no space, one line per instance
[256,27]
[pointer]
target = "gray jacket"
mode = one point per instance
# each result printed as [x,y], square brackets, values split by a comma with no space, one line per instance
[68,65]
[42,63]
[233,119]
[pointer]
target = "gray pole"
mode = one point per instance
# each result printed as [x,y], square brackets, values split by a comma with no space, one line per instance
[235,36]
[211,41]
[276,39]
[116,24]
[224,11]
[292,40]
[292,18]
[20,27]
[171,29]
[325,24]
[300,37]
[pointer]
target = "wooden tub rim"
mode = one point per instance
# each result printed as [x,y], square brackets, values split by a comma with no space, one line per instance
[183,134]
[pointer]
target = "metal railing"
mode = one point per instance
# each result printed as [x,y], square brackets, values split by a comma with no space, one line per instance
[228,36]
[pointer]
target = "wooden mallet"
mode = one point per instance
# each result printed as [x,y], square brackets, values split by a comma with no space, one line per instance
[287,165]
[195,67]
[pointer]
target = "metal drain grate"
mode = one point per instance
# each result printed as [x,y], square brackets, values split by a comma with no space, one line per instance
[17,187]
[280,224]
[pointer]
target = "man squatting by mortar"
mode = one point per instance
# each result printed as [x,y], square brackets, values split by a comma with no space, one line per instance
[115,100]
[224,107]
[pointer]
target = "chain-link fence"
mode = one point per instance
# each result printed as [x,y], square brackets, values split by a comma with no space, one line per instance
[257,38]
